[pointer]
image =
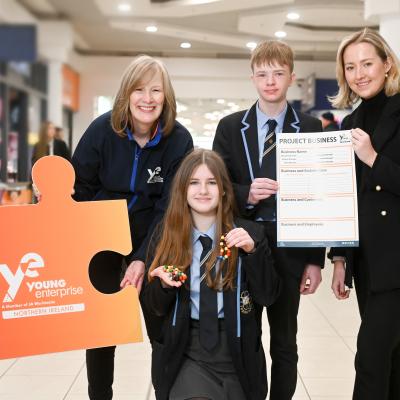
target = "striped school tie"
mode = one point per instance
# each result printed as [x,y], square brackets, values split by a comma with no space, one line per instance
[268,165]
[208,313]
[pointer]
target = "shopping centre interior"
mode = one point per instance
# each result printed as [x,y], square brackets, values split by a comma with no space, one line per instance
[61,61]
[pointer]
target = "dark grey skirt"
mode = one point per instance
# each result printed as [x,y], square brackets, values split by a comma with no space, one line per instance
[209,375]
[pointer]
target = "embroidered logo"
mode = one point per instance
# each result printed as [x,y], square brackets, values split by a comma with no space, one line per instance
[155,175]
[246,303]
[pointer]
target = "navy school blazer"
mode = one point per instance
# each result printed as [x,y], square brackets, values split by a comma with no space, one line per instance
[167,316]
[236,140]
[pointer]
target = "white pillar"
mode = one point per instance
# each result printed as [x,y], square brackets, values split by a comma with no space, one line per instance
[55,40]
[54,103]
[389,28]
[387,14]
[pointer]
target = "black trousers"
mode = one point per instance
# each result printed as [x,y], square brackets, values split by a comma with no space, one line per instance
[105,271]
[377,360]
[282,318]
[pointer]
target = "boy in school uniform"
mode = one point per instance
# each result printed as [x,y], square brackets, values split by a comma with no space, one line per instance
[246,141]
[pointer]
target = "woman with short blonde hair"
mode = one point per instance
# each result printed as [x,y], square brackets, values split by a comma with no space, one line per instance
[345,96]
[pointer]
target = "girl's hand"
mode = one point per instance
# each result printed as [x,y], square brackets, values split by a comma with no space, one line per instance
[363,147]
[166,281]
[239,237]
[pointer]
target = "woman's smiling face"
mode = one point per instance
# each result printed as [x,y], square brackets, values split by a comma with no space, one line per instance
[364,69]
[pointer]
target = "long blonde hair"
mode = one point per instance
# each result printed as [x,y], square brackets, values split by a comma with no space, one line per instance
[345,96]
[133,76]
[175,245]
[40,149]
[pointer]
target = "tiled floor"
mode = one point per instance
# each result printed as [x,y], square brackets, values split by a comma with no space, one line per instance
[327,337]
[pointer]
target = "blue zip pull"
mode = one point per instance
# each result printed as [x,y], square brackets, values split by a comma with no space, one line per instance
[138,150]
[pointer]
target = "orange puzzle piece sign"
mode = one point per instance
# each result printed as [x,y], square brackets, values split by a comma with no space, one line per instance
[48,303]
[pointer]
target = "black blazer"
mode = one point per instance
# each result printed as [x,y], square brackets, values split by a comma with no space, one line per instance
[230,144]
[60,149]
[167,316]
[378,202]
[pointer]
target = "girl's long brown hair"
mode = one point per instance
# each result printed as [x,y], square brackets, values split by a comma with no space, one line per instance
[40,149]
[175,246]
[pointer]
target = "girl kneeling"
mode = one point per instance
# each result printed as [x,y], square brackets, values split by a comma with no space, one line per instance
[206,331]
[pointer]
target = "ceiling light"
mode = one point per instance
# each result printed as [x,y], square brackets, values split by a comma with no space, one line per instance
[293,16]
[186,45]
[151,28]
[251,45]
[220,101]
[124,7]
[280,34]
